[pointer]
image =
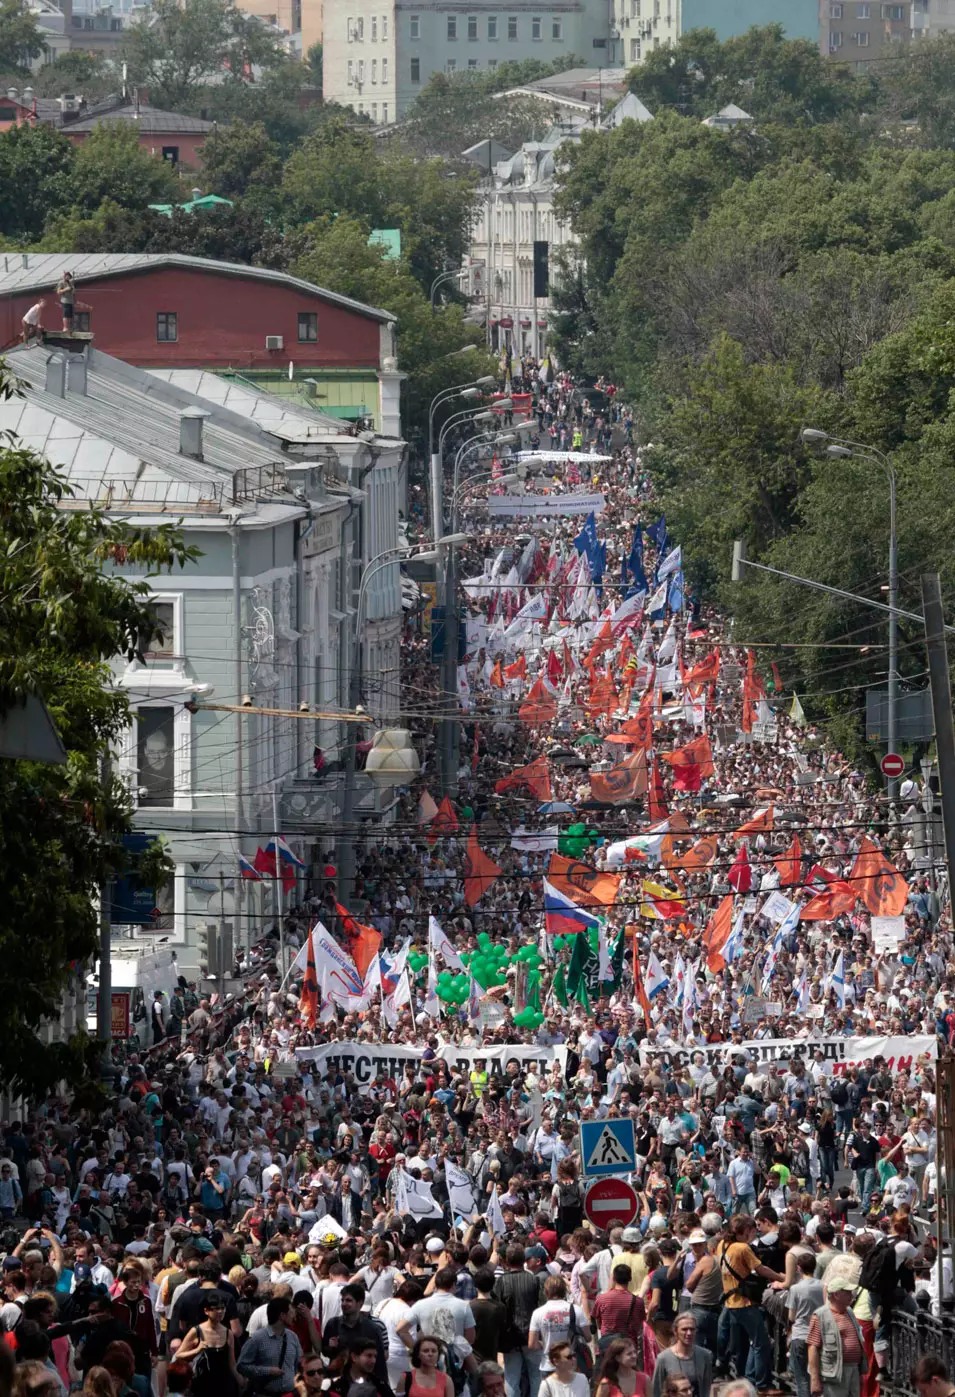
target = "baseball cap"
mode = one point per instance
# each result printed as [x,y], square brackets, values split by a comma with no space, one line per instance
[538,1253]
[630,1234]
[698,1236]
[841,1282]
[434,1246]
[13,1263]
[805,1128]
[291,1258]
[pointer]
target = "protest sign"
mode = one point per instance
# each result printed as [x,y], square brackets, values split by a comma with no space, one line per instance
[538,506]
[887,932]
[839,1054]
[368,1061]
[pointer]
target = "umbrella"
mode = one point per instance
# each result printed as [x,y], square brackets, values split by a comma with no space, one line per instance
[575,764]
[589,739]
[555,753]
[555,807]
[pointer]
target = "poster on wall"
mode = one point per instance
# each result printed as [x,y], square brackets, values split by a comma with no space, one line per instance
[155,739]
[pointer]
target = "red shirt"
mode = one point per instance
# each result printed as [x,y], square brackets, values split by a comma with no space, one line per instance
[385,1155]
[613,1314]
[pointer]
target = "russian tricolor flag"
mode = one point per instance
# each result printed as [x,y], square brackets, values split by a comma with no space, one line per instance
[284,852]
[562,917]
[247,869]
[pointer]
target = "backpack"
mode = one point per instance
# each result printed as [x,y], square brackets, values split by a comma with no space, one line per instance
[838,1094]
[878,1274]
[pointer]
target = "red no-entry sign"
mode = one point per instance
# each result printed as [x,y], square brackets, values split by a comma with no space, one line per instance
[611,1203]
[892,765]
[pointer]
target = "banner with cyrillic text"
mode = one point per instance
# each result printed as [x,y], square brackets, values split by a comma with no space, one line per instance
[369,1061]
[539,506]
[839,1054]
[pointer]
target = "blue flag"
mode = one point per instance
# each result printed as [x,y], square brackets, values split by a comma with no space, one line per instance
[676,599]
[635,561]
[587,543]
[657,533]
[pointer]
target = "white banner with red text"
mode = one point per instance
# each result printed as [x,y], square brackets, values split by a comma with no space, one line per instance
[839,1054]
[369,1061]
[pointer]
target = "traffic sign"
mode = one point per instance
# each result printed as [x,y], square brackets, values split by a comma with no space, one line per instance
[611,1203]
[607,1147]
[892,765]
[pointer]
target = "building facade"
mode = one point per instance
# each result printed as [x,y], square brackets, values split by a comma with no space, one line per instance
[286,513]
[170,311]
[378,57]
[864,31]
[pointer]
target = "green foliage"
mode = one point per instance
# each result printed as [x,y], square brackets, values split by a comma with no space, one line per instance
[20,38]
[35,164]
[75,71]
[112,164]
[315,59]
[62,617]
[240,161]
[183,43]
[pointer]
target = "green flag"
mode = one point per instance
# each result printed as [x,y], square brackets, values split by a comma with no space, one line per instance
[582,982]
[559,987]
[533,999]
[608,987]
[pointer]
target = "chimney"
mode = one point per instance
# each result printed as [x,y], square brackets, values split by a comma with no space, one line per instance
[76,373]
[56,375]
[190,432]
[13,93]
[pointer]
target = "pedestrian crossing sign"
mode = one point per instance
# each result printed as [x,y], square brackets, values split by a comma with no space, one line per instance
[607,1147]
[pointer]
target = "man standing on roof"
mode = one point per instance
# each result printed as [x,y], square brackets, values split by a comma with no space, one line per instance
[32,329]
[64,289]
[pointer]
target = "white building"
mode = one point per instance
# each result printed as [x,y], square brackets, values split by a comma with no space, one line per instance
[379,54]
[286,512]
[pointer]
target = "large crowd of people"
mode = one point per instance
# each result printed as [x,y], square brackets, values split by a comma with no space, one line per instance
[384,1195]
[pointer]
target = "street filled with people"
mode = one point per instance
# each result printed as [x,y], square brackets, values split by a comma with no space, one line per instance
[632,884]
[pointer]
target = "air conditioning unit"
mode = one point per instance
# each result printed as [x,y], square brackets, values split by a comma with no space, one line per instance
[274,342]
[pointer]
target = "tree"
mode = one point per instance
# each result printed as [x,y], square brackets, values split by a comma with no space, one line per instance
[20,38]
[227,235]
[63,617]
[111,164]
[75,71]
[315,58]
[178,46]
[35,168]
[453,113]
[918,92]
[242,161]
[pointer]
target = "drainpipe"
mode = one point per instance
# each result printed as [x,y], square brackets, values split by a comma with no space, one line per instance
[235,520]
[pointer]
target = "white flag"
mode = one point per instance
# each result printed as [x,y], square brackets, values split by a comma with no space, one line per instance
[440,944]
[672,561]
[460,1189]
[432,1005]
[494,1216]
[414,1196]
[667,649]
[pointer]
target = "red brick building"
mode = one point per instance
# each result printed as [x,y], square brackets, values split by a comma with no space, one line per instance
[170,136]
[166,310]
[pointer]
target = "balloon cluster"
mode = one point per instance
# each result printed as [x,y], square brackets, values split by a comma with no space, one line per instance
[529,1018]
[453,989]
[417,960]
[576,840]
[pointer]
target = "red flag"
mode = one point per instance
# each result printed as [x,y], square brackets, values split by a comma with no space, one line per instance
[640,727]
[837,898]
[362,942]
[753,691]
[581,882]
[759,823]
[535,776]
[476,749]
[479,872]
[705,671]
[717,934]
[273,866]
[570,666]
[789,865]
[656,796]
[740,875]
[623,782]
[445,822]
[540,706]
[308,999]
[555,670]
[496,680]
[878,882]
[702,855]
[692,764]
[777,681]
[518,670]
[603,642]
[603,695]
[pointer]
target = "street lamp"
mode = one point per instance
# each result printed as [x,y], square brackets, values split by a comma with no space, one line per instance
[471,389]
[457,272]
[842,449]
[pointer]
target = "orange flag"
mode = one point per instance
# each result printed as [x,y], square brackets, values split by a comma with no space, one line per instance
[603,642]
[640,727]
[656,799]
[639,988]
[540,706]
[603,695]
[445,822]
[479,872]
[363,942]
[582,883]
[308,999]
[753,691]
[705,672]
[496,680]
[789,865]
[878,882]
[717,934]
[761,821]
[535,776]
[518,670]
[692,764]
[623,782]
[837,898]
[702,855]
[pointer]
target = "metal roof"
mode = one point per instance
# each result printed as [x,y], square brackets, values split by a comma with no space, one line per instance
[40,271]
[118,443]
[151,120]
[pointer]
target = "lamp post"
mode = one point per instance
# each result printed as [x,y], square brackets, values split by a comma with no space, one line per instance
[470,390]
[442,277]
[346,854]
[841,449]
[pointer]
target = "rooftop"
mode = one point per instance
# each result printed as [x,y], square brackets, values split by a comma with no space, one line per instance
[40,271]
[149,120]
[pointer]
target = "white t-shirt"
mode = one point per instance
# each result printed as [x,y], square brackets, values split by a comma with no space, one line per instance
[577,1387]
[551,1323]
[391,1313]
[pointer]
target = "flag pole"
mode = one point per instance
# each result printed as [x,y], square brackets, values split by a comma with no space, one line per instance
[278,882]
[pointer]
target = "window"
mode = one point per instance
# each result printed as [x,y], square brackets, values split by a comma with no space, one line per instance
[860,40]
[167,326]
[351,29]
[374,29]
[451,66]
[351,73]
[384,29]
[893,12]
[384,70]
[155,752]
[162,644]
[512,27]
[374,112]
[414,26]
[171,153]
[634,50]
[416,70]
[384,113]
[557,29]
[492,62]
[492,28]
[863,11]
[308,327]
[835,11]
[536,30]
[452,28]
[835,40]
[472,64]
[360,30]
[374,71]
[472,27]
[361,72]
[81,321]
